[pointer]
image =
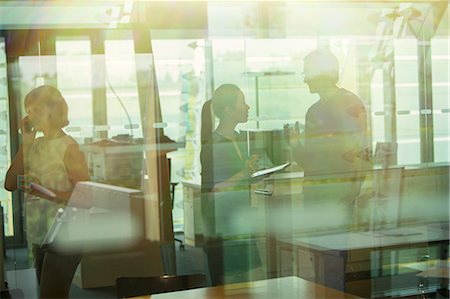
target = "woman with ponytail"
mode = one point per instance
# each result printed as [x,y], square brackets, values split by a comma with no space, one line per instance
[226,170]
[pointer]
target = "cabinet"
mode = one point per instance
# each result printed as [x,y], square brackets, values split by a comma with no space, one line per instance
[193,232]
[112,235]
[370,264]
[279,196]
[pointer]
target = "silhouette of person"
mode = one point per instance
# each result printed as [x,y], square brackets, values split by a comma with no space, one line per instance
[333,152]
[226,169]
[55,162]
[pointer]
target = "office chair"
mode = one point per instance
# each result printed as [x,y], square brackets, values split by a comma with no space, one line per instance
[140,286]
[173,185]
[380,208]
[12,294]
[386,200]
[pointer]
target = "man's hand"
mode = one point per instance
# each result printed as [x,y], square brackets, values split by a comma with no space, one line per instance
[292,134]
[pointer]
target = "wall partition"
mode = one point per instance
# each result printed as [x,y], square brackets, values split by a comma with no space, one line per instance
[292,147]
[361,152]
[107,80]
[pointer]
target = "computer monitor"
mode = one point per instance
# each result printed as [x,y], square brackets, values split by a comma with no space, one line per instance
[269,145]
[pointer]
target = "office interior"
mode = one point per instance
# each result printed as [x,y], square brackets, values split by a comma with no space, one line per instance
[136,76]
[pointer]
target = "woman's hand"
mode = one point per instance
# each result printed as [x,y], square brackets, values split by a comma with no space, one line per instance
[28,132]
[251,165]
[24,184]
[240,178]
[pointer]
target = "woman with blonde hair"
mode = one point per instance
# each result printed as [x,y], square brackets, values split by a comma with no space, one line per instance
[55,162]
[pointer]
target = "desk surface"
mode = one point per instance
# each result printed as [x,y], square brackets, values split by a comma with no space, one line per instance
[372,239]
[280,288]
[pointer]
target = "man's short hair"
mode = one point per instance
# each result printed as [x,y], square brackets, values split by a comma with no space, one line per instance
[324,64]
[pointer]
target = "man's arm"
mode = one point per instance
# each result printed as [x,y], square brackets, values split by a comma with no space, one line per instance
[358,136]
[293,138]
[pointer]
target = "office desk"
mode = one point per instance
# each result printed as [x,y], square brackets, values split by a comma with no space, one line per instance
[424,198]
[387,238]
[279,288]
[358,257]
[193,226]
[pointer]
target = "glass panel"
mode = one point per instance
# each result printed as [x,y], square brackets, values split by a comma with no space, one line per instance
[122,98]
[279,143]
[28,73]
[272,71]
[73,58]
[5,153]
[180,71]
[407,101]
[242,18]
[377,107]
[440,63]
[341,154]
[104,213]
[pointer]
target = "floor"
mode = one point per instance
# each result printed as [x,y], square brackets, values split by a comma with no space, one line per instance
[191,260]
[20,276]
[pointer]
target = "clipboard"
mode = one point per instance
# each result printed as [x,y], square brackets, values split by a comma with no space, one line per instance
[43,190]
[269,170]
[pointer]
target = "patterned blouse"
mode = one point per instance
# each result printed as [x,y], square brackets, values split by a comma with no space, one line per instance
[46,166]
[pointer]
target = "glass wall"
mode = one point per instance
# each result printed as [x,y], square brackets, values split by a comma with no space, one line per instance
[440,62]
[73,62]
[5,149]
[281,149]
[407,104]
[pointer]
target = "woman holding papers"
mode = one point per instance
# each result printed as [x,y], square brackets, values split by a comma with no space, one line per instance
[226,174]
[47,168]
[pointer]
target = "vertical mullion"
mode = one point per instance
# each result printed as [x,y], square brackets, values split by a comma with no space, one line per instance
[99,104]
[425,101]
[158,204]
[390,105]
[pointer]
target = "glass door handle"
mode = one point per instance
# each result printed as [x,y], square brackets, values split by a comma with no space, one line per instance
[263,192]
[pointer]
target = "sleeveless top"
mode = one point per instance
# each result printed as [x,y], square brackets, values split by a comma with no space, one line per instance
[46,167]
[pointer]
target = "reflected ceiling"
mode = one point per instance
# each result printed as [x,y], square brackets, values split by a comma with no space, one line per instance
[57,14]
[48,14]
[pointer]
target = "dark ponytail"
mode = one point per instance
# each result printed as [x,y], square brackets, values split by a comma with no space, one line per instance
[206,155]
[207,123]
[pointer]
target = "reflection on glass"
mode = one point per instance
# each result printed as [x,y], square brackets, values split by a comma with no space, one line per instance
[407,104]
[46,169]
[440,61]
[73,65]
[123,113]
[5,198]
[226,175]
[355,211]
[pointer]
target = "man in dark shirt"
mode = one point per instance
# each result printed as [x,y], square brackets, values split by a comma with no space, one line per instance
[333,154]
